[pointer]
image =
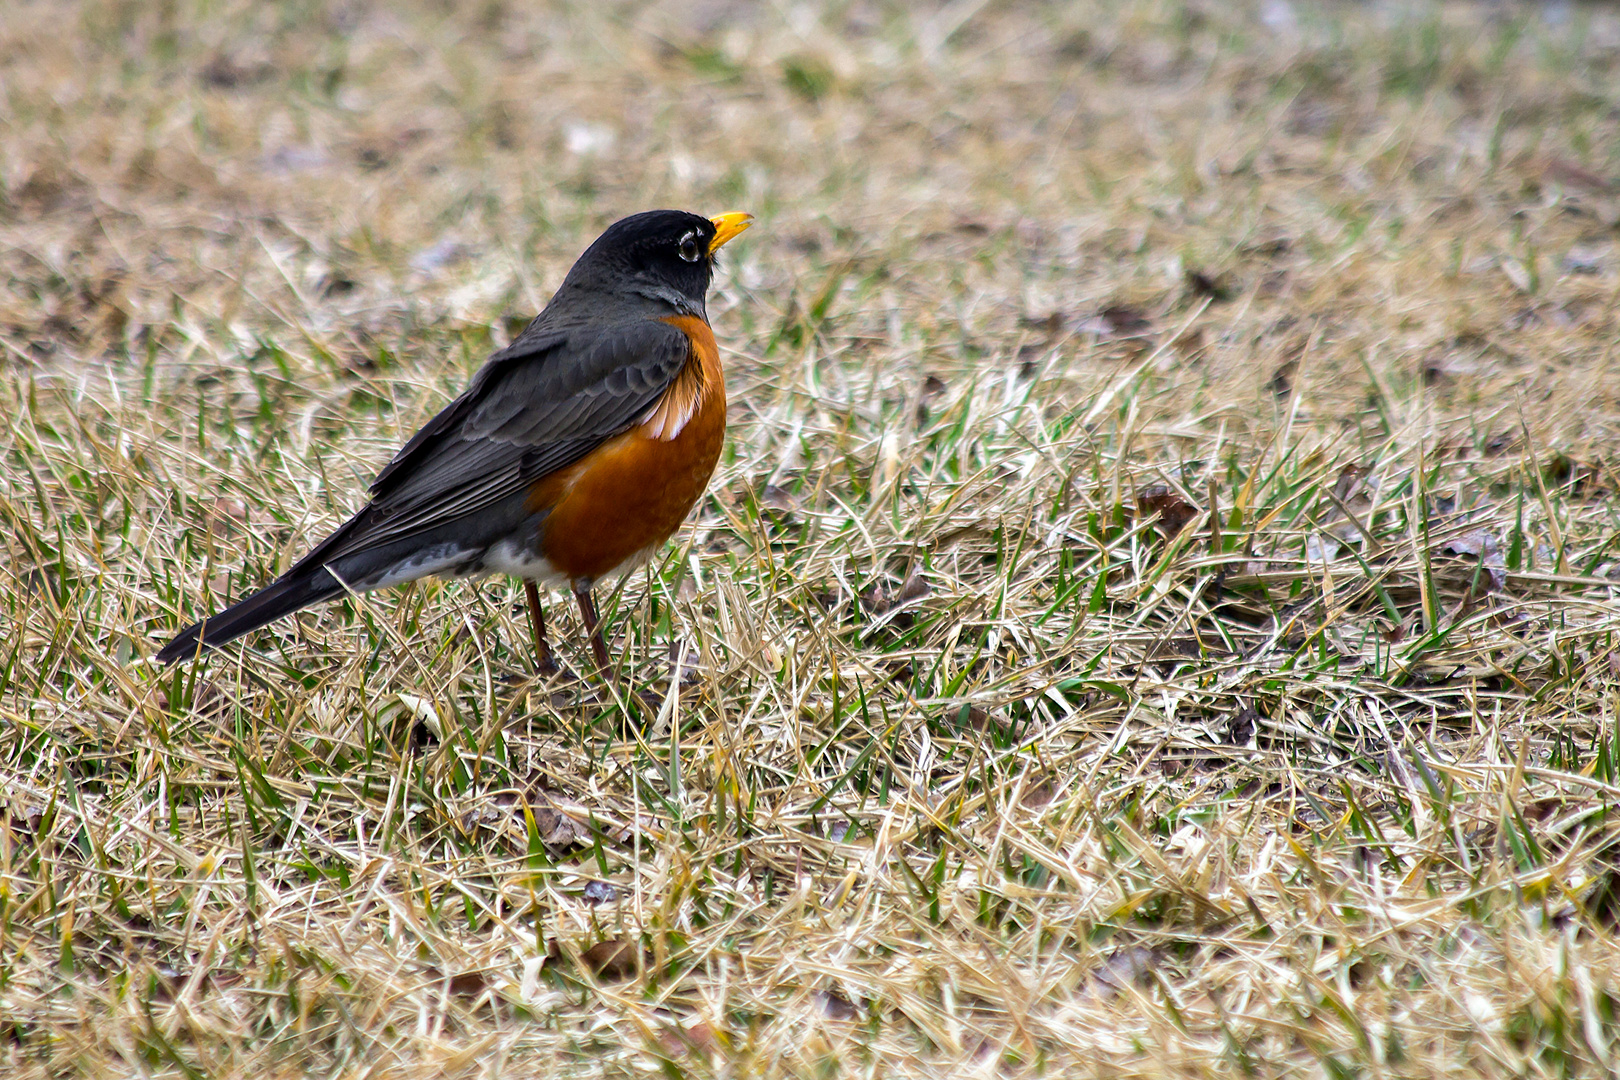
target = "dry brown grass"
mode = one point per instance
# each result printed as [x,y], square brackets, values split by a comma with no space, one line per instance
[1156,614]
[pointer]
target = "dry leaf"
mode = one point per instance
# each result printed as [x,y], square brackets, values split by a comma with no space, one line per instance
[1172,510]
[1485,547]
[1241,727]
[1038,795]
[599,892]
[1116,321]
[557,829]
[1120,970]
[933,389]
[469,983]
[978,719]
[1051,323]
[1349,482]
[835,1006]
[875,599]
[1216,287]
[615,958]
[1281,382]
[915,588]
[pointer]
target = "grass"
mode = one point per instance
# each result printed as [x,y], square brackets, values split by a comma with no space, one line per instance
[1156,612]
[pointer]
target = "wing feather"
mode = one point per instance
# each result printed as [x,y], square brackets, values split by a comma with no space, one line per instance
[535,407]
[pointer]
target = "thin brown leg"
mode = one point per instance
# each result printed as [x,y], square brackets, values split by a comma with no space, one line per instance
[593,626]
[537,624]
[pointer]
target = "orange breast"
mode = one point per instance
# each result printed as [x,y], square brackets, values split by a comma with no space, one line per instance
[634,490]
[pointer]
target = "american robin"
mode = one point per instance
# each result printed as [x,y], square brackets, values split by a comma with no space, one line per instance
[576,451]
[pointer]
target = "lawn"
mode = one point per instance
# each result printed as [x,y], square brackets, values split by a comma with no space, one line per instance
[1157,613]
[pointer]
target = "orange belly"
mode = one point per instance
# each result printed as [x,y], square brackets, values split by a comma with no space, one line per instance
[632,492]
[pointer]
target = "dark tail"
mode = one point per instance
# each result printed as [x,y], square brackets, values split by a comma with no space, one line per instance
[270,603]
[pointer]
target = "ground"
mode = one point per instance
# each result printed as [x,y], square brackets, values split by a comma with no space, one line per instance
[1155,613]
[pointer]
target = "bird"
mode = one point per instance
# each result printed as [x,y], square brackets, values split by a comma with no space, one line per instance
[576,451]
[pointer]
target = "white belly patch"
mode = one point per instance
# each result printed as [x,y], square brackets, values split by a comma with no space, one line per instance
[442,559]
[510,557]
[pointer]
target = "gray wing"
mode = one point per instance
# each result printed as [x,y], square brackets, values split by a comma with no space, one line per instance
[535,407]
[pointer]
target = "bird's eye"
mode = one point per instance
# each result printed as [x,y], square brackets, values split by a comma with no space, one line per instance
[689,247]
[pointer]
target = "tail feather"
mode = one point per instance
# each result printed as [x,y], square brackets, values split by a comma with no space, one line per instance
[454,547]
[279,598]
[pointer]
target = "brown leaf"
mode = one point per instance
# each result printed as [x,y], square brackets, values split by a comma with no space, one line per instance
[644,825]
[933,389]
[558,829]
[1029,360]
[161,990]
[1478,543]
[469,983]
[1487,549]
[1216,287]
[1281,382]
[47,188]
[830,601]
[915,588]
[1051,322]
[211,699]
[226,71]
[1172,510]
[20,828]
[1038,795]
[553,825]
[1126,321]
[1241,727]
[615,958]
[978,719]
[900,671]
[875,599]
[1348,482]
[1116,321]
[778,498]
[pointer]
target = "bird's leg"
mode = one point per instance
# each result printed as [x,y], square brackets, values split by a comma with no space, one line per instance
[593,626]
[537,624]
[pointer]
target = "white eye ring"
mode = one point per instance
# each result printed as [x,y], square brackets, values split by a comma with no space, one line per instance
[689,247]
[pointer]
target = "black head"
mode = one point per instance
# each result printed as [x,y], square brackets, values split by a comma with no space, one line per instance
[662,255]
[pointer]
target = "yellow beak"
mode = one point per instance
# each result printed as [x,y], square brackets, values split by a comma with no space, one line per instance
[726,226]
